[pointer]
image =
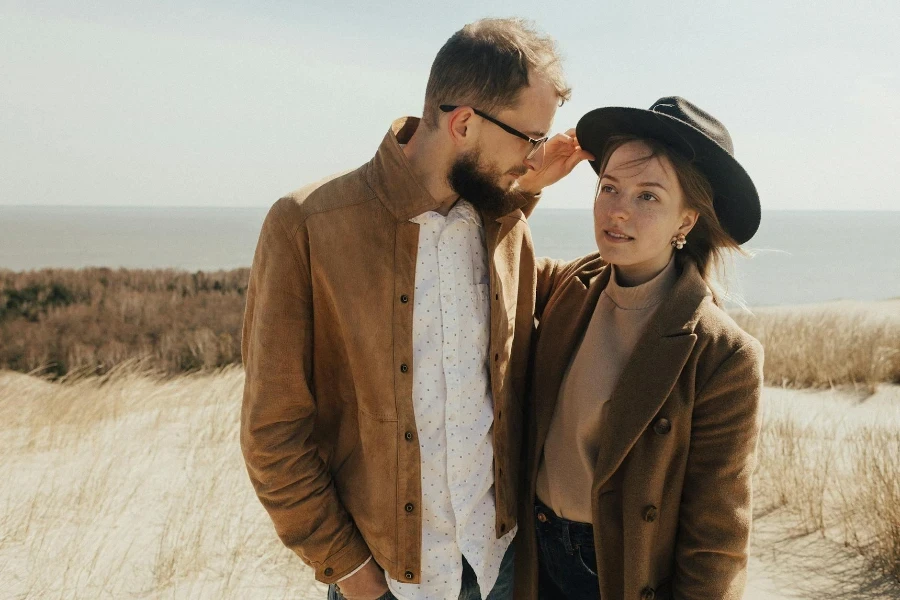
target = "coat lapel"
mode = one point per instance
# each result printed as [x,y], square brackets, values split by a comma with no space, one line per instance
[649,376]
[563,327]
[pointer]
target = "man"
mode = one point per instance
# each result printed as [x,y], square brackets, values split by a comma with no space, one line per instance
[387,328]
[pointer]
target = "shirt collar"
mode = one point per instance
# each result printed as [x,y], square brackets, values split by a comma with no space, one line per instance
[461,211]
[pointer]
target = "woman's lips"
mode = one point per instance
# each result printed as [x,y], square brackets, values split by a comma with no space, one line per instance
[617,236]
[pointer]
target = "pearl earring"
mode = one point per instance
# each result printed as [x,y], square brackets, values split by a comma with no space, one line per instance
[678,241]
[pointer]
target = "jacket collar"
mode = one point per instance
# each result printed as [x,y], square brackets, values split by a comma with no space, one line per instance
[391,177]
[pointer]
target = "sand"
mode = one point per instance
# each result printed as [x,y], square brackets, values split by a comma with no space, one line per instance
[134,487]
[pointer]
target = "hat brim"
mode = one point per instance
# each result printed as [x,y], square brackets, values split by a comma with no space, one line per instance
[735,200]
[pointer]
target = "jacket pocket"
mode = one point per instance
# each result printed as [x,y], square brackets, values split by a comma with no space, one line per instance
[367,484]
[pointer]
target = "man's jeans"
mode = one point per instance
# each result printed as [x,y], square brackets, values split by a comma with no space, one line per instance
[567,561]
[470,591]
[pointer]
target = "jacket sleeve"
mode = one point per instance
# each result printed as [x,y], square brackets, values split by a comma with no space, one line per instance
[547,278]
[279,408]
[715,516]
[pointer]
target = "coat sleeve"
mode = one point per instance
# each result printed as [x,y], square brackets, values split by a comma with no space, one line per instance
[279,408]
[715,517]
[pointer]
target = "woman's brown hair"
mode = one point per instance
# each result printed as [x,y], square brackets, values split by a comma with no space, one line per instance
[707,243]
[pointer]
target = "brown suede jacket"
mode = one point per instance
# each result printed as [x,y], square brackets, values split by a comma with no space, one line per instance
[327,428]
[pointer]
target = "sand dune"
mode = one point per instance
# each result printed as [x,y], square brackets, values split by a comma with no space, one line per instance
[132,486]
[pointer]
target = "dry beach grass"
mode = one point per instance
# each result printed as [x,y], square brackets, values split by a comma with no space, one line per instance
[131,484]
[829,344]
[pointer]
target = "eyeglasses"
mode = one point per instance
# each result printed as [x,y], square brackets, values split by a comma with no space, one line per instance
[536,145]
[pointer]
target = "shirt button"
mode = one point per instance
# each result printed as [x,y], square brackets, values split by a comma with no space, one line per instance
[542,517]
[408,575]
[409,507]
[404,298]
[496,357]
[648,593]
[404,368]
[329,572]
[662,426]
[650,513]
[408,436]
[502,527]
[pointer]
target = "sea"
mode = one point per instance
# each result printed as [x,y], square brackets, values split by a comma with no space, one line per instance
[797,257]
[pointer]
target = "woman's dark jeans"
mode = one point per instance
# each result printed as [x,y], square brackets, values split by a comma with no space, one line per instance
[567,562]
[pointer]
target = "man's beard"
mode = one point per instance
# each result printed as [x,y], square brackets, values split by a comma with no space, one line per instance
[479,186]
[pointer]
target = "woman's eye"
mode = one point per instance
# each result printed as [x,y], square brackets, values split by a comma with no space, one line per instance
[647,196]
[607,189]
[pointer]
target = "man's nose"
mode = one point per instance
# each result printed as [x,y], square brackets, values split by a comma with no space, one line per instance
[537,161]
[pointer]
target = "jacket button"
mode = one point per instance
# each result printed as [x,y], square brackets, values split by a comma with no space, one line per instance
[408,436]
[650,513]
[404,298]
[404,368]
[542,517]
[408,574]
[648,593]
[329,572]
[409,507]
[662,426]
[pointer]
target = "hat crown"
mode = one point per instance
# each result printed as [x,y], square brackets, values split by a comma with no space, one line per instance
[691,114]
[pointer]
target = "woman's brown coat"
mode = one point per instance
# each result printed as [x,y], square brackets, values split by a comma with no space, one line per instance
[671,491]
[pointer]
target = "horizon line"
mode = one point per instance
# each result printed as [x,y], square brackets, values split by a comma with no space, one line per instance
[267,206]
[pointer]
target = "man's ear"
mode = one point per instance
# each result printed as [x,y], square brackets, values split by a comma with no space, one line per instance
[461,125]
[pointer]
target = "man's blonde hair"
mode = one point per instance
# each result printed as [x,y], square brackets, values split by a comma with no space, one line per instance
[486,64]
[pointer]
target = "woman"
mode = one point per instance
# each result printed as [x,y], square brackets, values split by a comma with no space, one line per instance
[645,393]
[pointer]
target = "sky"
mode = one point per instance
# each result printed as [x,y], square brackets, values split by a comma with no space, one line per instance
[235,103]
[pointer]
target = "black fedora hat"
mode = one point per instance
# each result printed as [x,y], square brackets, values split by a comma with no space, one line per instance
[696,135]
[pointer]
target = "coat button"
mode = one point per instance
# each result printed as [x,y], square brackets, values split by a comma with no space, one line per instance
[648,593]
[404,298]
[329,572]
[404,368]
[408,574]
[542,517]
[662,426]
[408,436]
[650,513]
[409,507]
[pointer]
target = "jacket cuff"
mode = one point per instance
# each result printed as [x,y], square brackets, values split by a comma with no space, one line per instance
[354,571]
[343,562]
[531,201]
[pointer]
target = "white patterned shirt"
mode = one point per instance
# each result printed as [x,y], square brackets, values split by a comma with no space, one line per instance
[453,406]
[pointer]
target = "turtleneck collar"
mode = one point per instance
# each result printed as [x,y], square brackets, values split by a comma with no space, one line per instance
[645,295]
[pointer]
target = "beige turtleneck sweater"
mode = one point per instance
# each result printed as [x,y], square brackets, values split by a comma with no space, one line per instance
[566,471]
